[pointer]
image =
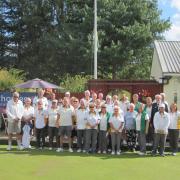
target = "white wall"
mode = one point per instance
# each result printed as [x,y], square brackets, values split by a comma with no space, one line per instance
[156,70]
[172,88]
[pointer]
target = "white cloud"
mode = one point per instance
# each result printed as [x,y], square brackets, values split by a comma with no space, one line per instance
[175,4]
[176,19]
[174,33]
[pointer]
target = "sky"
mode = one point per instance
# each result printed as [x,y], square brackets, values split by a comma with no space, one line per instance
[171,9]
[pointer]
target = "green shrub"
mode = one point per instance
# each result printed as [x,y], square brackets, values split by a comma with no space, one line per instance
[75,83]
[9,78]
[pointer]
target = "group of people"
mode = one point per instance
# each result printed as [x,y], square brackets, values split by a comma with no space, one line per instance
[98,124]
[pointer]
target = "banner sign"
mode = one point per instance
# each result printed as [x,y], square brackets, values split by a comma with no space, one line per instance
[6,96]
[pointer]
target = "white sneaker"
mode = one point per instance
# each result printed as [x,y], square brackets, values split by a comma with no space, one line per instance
[141,153]
[9,148]
[118,153]
[59,150]
[50,148]
[20,148]
[79,150]
[99,152]
[104,152]
[112,153]
[174,154]
[70,150]
[84,151]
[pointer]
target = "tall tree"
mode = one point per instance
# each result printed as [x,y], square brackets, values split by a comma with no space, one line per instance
[49,38]
[127,29]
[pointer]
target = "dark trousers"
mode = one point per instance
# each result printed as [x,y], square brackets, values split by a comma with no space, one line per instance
[150,135]
[131,139]
[53,132]
[159,140]
[40,137]
[81,139]
[173,139]
[102,140]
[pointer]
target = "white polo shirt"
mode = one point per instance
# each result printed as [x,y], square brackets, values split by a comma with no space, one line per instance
[117,122]
[124,106]
[28,112]
[44,101]
[52,117]
[66,115]
[80,117]
[40,115]
[14,110]
[103,122]
[161,122]
[92,119]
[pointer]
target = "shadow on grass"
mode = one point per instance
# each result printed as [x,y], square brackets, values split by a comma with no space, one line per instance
[35,152]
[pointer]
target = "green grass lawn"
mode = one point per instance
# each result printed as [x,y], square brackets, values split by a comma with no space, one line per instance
[45,164]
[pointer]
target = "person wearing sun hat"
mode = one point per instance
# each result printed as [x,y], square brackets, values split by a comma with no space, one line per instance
[161,124]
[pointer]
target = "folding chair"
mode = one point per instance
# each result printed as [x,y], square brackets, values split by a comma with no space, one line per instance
[5,119]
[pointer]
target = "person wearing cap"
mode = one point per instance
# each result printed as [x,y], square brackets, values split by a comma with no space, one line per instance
[81,126]
[161,124]
[116,122]
[103,129]
[174,127]
[14,110]
[92,120]
[52,115]
[155,107]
